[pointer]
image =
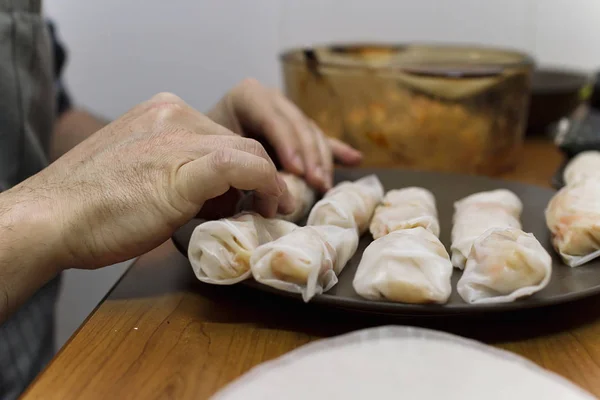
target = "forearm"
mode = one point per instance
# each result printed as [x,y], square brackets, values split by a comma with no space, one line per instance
[29,240]
[71,128]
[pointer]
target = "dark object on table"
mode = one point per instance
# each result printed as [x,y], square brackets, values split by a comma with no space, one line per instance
[558,180]
[555,94]
[575,135]
[595,100]
[567,284]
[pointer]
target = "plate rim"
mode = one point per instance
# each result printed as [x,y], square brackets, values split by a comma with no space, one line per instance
[424,310]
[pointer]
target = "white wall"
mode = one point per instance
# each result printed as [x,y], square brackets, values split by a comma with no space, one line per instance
[123,51]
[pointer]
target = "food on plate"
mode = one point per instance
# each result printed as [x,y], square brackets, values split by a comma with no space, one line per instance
[220,251]
[573,217]
[404,209]
[307,260]
[349,204]
[583,166]
[504,264]
[408,266]
[479,212]
[501,262]
[303,195]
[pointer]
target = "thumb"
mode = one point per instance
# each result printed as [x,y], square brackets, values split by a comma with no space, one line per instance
[214,174]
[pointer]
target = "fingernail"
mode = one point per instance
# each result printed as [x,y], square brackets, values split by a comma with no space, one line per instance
[320,175]
[281,183]
[297,162]
[329,182]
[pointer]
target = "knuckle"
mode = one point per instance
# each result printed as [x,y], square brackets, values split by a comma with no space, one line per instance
[248,83]
[160,114]
[166,97]
[265,169]
[223,159]
[246,89]
[253,146]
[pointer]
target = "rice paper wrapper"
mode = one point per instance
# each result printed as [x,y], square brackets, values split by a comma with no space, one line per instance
[306,261]
[477,213]
[408,266]
[400,362]
[583,166]
[405,209]
[504,265]
[220,251]
[573,217]
[349,204]
[303,195]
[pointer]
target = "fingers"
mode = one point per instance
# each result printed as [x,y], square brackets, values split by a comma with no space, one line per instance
[226,168]
[253,105]
[300,147]
[308,138]
[218,159]
[343,153]
[326,156]
[204,145]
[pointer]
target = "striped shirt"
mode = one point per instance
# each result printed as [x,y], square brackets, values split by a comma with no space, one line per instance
[26,338]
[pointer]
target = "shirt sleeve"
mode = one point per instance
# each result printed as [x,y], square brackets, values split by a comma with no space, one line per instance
[63,100]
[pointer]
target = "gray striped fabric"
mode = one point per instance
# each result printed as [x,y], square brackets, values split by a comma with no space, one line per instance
[27,341]
[26,118]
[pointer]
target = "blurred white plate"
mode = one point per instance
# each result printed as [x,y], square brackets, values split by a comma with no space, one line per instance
[400,363]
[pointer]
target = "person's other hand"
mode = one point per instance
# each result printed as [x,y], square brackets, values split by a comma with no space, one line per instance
[253,110]
[129,186]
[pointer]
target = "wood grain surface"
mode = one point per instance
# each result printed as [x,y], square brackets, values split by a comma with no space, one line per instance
[161,334]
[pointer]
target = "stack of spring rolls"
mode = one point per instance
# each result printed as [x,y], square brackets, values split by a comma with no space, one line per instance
[407,262]
[220,251]
[278,253]
[309,259]
[573,214]
[501,262]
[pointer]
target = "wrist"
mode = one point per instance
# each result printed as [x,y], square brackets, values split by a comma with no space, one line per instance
[30,228]
[30,252]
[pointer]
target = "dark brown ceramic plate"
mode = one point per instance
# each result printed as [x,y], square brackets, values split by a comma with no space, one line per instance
[567,284]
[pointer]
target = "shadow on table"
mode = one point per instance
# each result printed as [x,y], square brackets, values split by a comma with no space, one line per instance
[168,274]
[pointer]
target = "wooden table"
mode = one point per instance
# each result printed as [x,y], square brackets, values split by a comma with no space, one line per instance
[161,334]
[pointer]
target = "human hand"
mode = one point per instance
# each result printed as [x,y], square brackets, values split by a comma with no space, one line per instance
[253,110]
[129,186]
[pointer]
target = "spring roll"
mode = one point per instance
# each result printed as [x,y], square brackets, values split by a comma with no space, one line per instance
[573,217]
[583,166]
[407,266]
[404,209]
[349,204]
[479,212]
[306,261]
[504,265]
[220,251]
[303,195]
